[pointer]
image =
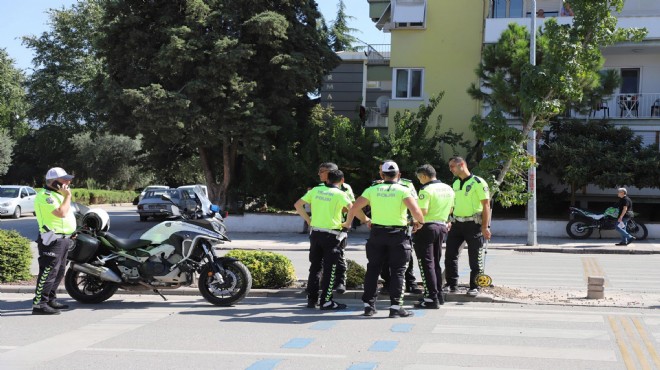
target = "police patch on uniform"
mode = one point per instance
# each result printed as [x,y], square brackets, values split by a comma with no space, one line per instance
[421,196]
[49,200]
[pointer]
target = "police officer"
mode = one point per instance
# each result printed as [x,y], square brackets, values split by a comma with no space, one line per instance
[388,240]
[327,202]
[436,200]
[471,220]
[57,223]
[409,277]
[340,282]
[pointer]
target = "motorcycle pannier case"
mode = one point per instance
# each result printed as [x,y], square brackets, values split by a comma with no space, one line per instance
[84,248]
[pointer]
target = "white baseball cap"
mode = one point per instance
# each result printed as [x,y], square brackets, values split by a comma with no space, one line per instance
[58,173]
[390,166]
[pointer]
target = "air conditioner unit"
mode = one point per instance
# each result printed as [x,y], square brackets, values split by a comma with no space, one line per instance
[383,104]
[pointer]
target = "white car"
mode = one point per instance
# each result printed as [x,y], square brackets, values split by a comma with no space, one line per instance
[16,200]
[191,189]
[151,187]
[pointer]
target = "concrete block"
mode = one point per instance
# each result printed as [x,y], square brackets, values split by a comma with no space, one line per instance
[596,280]
[595,295]
[595,288]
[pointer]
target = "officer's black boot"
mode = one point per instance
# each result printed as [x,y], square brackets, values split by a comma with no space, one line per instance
[45,310]
[57,305]
[400,312]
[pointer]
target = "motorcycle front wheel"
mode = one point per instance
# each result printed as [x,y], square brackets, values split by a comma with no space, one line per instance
[236,285]
[86,288]
[637,229]
[578,229]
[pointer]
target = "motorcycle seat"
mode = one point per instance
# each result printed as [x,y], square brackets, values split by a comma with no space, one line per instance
[126,244]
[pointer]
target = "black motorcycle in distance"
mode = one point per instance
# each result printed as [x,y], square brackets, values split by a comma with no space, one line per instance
[167,256]
[585,222]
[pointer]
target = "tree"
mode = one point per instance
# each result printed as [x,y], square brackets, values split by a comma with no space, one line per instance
[413,142]
[215,79]
[581,153]
[13,105]
[6,146]
[68,72]
[569,60]
[340,33]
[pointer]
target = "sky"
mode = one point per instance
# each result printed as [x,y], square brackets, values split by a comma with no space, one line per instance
[22,18]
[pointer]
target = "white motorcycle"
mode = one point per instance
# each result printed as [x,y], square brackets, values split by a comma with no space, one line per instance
[167,256]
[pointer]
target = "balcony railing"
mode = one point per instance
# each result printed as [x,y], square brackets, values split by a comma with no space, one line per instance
[376,53]
[628,106]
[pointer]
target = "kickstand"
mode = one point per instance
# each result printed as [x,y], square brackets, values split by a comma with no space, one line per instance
[162,296]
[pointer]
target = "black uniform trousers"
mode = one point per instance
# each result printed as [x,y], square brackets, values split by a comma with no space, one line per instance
[427,242]
[386,246]
[324,251]
[52,263]
[409,275]
[342,266]
[470,232]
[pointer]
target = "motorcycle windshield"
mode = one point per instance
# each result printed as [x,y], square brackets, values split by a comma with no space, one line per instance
[203,200]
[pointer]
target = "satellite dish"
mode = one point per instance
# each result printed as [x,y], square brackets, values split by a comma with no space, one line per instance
[383,104]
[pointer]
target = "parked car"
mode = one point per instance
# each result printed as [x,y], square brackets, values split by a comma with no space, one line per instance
[191,191]
[153,206]
[16,200]
[151,187]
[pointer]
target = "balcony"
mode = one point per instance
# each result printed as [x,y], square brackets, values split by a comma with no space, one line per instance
[375,119]
[642,106]
[376,53]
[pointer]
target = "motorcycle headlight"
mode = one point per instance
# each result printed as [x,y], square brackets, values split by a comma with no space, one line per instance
[218,227]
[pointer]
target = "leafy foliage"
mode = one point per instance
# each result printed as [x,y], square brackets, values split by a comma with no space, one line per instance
[581,153]
[567,74]
[354,274]
[340,33]
[269,270]
[6,146]
[15,256]
[13,104]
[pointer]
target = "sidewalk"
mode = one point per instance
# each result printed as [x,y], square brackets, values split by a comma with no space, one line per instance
[357,240]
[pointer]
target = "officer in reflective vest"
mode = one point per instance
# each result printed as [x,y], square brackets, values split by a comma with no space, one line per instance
[470,223]
[388,240]
[57,224]
[436,201]
[327,202]
[340,282]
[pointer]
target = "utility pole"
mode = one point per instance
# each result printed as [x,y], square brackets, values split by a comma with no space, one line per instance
[531,148]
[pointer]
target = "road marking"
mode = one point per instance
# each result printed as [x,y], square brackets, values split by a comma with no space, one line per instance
[384,346]
[75,340]
[532,316]
[216,353]
[323,325]
[522,332]
[363,366]
[298,343]
[519,351]
[444,367]
[647,341]
[264,365]
[637,348]
[402,328]
[625,354]
[591,267]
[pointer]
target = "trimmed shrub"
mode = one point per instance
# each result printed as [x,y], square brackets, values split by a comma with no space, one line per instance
[95,196]
[15,256]
[354,274]
[269,270]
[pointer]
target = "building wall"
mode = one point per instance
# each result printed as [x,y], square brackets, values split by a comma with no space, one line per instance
[342,89]
[449,50]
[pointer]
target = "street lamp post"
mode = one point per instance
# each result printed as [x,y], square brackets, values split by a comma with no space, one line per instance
[531,147]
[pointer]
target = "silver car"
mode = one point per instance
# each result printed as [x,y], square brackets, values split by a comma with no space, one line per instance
[16,200]
[153,206]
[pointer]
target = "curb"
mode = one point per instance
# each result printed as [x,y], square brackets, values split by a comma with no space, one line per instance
[278,293]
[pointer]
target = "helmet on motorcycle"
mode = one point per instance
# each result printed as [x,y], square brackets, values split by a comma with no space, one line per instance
[96,219]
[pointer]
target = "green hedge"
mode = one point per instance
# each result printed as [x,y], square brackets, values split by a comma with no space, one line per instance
[269,270]
[15,256]
[96,196]
[354,274]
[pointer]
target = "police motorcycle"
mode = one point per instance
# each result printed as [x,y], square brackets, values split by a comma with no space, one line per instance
[586,222]
[167,256]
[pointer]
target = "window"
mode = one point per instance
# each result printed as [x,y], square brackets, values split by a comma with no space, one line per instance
[408,83]
[31,191]
[507,9]
[629,80]
[409,13]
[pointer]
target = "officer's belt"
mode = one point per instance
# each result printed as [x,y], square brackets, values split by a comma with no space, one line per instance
[389,227]
[436,223]
[329,231]
[465,219]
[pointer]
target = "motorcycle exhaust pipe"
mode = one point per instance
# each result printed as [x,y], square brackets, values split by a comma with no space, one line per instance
[102,273]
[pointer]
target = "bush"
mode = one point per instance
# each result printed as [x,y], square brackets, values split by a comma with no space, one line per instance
[95,196]
[15,256]
[354,274]
[268,269]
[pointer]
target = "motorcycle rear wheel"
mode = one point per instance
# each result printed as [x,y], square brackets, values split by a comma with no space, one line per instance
[236,286]
[86,288]
[578,229]
[637,229]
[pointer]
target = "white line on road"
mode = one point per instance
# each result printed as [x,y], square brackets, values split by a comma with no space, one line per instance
[522,332]
[537,316]
[519,351]
[224,353]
